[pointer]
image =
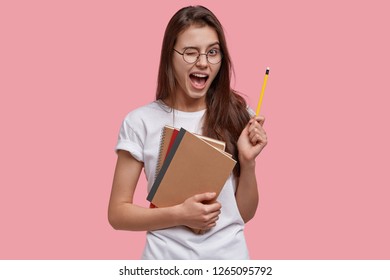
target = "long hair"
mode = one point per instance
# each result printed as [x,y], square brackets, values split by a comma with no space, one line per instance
[226,114]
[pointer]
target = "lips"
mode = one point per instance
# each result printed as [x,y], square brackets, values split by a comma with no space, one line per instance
[198,80]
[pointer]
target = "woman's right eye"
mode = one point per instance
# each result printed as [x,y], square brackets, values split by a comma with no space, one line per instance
[191,52]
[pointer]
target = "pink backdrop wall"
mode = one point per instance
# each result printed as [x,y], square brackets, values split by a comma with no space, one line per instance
[71,70]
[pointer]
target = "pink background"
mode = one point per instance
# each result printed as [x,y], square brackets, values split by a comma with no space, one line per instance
[71,70]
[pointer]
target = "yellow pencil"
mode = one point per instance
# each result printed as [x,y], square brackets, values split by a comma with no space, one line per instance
[262,91]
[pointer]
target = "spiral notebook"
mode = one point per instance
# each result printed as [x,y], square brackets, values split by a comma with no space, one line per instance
[168,136]
[191,166]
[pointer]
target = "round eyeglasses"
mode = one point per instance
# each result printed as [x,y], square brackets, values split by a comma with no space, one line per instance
[191,55]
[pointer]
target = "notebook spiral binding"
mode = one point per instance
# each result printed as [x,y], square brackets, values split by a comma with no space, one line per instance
[160,159]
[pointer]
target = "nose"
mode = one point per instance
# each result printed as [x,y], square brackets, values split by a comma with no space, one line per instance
[202,60]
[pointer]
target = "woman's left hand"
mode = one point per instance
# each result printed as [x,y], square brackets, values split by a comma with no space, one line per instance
[252,140]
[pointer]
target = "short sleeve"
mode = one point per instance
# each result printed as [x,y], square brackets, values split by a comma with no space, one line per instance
[130,141]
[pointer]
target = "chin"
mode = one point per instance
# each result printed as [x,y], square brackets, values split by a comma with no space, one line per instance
[197,95]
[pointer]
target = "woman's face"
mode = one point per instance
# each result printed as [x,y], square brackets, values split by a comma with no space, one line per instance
[194,79]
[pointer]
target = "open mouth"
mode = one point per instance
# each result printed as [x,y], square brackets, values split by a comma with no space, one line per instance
[198,80]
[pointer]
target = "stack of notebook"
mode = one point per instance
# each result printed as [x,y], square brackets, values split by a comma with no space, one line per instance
[188,164]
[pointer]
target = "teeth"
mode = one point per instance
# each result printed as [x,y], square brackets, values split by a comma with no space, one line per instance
[200,75]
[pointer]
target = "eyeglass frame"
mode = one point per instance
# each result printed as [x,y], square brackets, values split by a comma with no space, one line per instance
[197,59]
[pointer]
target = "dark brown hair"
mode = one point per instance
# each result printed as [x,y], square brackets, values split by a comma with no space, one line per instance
[226,114]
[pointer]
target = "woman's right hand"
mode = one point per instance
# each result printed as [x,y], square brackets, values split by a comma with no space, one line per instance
[199,211]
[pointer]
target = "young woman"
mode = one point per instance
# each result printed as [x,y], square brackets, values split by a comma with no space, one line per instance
[193,92]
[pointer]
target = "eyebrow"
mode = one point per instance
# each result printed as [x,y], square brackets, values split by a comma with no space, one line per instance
[209,46]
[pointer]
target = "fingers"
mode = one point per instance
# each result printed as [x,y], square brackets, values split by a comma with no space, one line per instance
[256,133]
[204,196]
[257,136]
[210,212]
[211,219]
[260,119]
[212,223]
[208,199]
[205,212]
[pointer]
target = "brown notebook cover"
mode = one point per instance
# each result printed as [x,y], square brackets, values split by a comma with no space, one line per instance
[192,166]
[168,136]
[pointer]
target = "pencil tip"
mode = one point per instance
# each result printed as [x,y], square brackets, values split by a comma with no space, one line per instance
[267,71]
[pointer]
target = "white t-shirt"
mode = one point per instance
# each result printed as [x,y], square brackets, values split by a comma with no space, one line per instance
[140,135]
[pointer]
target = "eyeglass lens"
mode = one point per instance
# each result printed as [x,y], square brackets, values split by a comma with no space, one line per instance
[192,55]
